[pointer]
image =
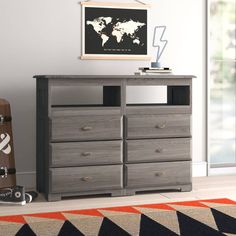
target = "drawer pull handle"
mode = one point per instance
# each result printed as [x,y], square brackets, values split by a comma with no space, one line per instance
[161,126]
[87,128]
[158,174]
[159,150]
[86,154]
[86,179]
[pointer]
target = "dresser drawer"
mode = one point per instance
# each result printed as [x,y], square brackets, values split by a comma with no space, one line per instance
[158,126]
[86,153]
[158,174]
[73,179]
[75,128]
[158,150]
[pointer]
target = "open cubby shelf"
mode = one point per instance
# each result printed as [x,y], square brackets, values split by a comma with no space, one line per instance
[111,96]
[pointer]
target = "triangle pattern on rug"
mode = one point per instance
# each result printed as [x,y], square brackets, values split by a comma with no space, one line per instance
[9,228]
[225,223]
[227,210]
[88,226]
[69,229]
[189,226]
[167,218]
[151,227]
[110,228]
[128,222]
[203,215]
[25,230]
[44,226]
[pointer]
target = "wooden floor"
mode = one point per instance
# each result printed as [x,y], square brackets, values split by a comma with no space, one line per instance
[203,188]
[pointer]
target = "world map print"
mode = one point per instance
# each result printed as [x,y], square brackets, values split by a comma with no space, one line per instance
[115,31]
[119,29]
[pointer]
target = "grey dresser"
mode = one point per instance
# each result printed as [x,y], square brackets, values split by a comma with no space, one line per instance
[114,147]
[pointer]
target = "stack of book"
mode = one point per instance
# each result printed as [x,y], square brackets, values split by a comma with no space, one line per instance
[153,70]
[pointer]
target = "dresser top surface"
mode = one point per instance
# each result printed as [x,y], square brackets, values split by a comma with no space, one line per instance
[158,76]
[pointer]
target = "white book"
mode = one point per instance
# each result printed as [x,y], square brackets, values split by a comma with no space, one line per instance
[153,73]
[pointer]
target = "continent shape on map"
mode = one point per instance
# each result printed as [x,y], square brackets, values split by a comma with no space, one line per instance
[129,28]
[119,29]
[99,24]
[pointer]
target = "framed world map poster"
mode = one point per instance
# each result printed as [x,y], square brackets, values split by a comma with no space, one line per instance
[114,31]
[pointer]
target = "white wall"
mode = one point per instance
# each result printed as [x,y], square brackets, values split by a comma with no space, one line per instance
[44,37]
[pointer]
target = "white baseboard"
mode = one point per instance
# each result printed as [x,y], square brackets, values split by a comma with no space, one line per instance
[199,169]
[222,171]
[26,179]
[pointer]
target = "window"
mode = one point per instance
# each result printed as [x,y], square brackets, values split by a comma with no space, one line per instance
[221,82]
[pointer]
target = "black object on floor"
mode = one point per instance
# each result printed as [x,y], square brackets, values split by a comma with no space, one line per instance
[15,195]
[30,196]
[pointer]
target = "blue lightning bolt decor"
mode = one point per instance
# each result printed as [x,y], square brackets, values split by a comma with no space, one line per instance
[159,42]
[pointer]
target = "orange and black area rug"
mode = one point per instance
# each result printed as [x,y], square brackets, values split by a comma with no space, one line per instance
[202,217]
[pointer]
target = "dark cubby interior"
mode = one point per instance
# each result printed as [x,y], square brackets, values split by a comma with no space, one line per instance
[111,96]
[178,95]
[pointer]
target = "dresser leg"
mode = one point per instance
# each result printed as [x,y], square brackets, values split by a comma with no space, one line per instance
[53,197]
[117,193]
[186,188]
[129,192]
